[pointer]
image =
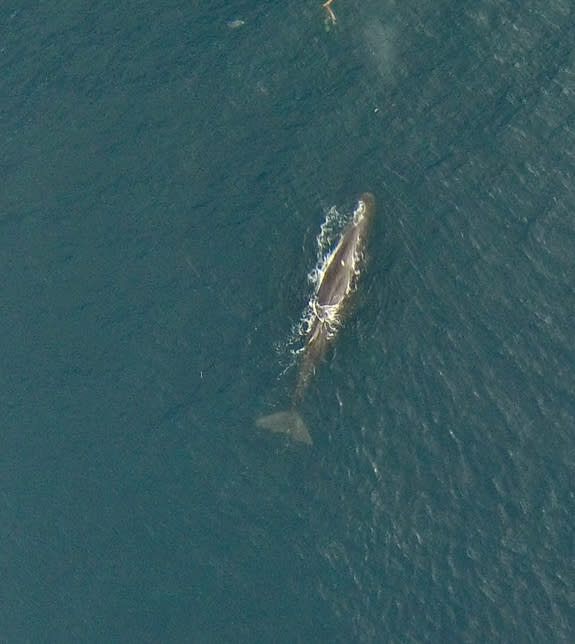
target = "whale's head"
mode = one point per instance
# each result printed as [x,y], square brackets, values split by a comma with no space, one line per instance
[365,208]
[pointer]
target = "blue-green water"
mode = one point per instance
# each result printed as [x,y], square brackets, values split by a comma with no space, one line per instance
[162,180]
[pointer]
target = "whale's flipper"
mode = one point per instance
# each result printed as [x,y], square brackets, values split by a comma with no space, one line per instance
[286,422]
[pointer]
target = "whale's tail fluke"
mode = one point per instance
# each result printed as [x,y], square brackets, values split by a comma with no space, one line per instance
[286,422]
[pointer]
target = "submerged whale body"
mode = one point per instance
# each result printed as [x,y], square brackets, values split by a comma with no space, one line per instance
[327,307]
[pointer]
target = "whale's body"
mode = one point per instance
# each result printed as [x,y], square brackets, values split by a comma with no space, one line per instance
[336,284]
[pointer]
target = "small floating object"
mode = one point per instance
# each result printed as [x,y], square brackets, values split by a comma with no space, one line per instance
[235,24]
[330,18]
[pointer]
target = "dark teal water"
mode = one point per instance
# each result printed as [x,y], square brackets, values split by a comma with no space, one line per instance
[162,180]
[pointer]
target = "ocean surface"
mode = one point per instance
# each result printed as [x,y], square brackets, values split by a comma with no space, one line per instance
[165,169]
